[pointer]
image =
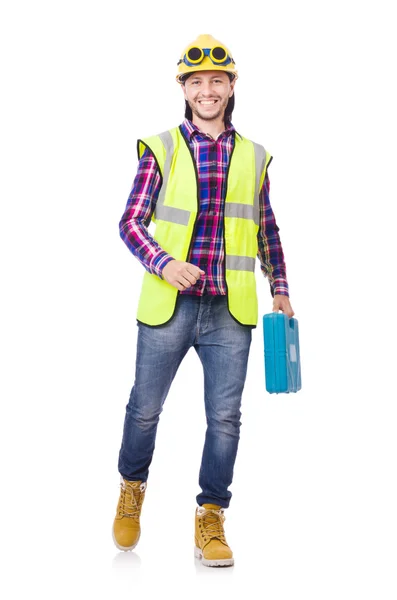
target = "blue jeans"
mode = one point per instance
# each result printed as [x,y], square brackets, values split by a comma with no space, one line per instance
[222,345]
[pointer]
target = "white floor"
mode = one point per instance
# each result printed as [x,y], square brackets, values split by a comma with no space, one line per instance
[312,514]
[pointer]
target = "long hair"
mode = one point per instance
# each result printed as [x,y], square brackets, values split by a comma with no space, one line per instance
[229,108]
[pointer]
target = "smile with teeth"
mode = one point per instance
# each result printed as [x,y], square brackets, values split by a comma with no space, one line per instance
[207,102]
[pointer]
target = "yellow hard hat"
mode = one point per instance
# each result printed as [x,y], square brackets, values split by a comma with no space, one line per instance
[205,54]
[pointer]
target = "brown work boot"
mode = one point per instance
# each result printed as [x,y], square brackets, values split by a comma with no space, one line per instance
[210,542]
[126,526]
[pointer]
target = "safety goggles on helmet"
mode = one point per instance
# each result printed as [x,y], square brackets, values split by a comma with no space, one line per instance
[194,56]
[205,53]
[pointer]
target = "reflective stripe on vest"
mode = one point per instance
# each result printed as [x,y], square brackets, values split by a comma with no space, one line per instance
[240,263]
[175,216]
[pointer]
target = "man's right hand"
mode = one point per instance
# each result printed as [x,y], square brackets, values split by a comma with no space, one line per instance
[181,275]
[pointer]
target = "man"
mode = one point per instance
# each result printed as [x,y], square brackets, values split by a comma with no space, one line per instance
[207,188]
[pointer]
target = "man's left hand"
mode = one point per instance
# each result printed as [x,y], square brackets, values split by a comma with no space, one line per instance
[282,303]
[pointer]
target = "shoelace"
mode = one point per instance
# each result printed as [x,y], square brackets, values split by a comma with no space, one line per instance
[212,521]
[131,499]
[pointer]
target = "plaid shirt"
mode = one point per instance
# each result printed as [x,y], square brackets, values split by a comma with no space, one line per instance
[207,250]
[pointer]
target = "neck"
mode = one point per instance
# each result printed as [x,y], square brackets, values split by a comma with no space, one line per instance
[212,128]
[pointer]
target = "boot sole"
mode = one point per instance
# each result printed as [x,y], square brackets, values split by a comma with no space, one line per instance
[215,562]
[124,548]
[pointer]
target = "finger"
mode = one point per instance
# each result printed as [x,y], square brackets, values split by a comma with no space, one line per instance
[189,277]
[195,272]
[183,281]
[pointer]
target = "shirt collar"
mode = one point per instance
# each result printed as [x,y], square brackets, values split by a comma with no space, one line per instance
[190,129]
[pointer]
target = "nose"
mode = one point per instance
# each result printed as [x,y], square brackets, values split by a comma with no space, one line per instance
[206,89]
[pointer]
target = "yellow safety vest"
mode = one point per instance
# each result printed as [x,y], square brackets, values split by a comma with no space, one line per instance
[176,214]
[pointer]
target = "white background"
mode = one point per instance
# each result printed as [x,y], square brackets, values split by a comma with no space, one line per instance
[313,513]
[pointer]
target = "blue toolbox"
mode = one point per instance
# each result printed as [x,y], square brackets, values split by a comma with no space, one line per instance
[282,356]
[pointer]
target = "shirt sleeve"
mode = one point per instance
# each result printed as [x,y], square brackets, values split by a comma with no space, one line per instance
[138,212]
[270,251]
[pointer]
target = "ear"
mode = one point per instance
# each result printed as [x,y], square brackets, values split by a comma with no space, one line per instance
[232,84]
[184,91]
